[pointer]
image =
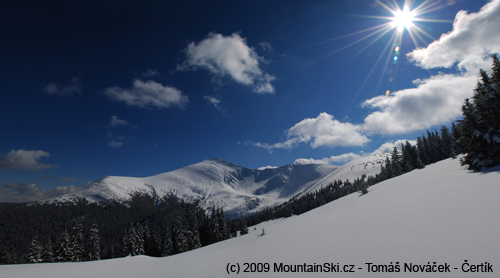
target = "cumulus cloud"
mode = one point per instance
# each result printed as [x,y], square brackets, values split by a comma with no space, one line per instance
[473,36]
[26,160]
[21,192]
[436,100]
[73,88]
[322,131]
[215,102]
[340,159]
[267,167]
[148,94]
[389,146]
[346,157]
[117,122]
[228,56]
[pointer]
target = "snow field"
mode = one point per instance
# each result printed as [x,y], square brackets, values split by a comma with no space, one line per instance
[443,214]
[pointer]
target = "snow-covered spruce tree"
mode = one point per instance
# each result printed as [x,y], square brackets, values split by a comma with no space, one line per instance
[139,240]
[180,235]
[168,245]
[77,242]
[94,252]
[64,251]
[480,127]
[215,234]
[35,252]
[48,253]
[396,162]
[224,231]
[194,239]
[363,188]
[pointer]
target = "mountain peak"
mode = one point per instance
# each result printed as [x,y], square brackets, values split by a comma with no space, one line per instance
[217,182]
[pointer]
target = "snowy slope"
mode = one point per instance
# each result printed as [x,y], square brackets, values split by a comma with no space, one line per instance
[368,165]
[213,182]
[443,214]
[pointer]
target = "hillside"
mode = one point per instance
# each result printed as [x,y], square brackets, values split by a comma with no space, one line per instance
[443,214]
[216,182]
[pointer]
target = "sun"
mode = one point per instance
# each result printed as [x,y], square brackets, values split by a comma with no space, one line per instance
[403,19]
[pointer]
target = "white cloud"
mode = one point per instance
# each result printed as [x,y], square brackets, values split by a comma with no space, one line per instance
[228,56]
[290,143]
[73,88]
[341,159]
[322,131]
[437,100]
[266,46]
[26,160]
[149,94]
[305,161]
[346,157]
[473,36]
[267,167]
[117,122]
[20,192]
[215,102]
[389,146]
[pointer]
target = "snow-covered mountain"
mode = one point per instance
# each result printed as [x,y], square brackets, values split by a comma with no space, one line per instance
[442,215]
[224,184]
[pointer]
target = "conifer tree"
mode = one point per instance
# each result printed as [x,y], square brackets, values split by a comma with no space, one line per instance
[395,162]
[180,235]
[195,241]
[48,253]
[35,251]
[94,245]
[77,242]
[64,251]
[480,127]
[168,245]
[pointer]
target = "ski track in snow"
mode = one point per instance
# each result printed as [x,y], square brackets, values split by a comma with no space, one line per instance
[442,214]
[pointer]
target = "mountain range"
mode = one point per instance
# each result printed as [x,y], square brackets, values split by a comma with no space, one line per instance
[216,182]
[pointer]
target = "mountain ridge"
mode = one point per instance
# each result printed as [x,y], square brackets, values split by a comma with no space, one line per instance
[217,182]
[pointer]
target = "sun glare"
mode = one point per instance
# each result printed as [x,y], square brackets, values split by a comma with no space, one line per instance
[403,19]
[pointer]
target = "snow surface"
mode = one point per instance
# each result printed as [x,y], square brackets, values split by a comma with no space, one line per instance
[216,182]
[443,213]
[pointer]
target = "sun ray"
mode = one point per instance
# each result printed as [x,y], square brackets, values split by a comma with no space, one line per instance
[386,27]
[364,48]
[381,27]
[421,9]
[414,40]
[391,42]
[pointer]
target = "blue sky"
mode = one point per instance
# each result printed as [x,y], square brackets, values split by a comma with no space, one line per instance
[138,88]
